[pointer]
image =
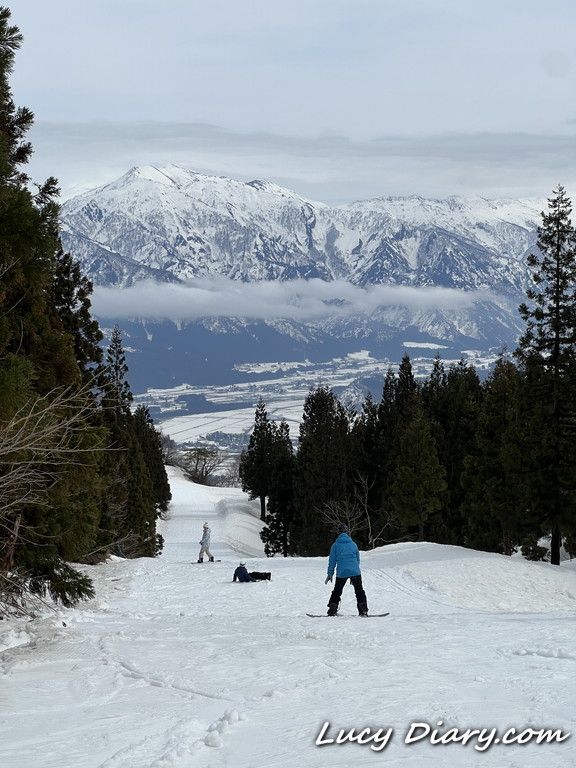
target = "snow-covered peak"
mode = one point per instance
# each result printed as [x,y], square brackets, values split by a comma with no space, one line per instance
[182,224]
[454,212]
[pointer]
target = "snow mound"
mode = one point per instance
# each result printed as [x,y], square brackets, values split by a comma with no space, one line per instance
[503,584]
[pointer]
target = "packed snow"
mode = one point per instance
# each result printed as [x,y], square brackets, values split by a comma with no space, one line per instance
[173,665]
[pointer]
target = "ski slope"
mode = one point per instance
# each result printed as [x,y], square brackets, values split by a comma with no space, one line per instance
[173,665]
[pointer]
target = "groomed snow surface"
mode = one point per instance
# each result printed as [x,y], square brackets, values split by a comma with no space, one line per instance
[173,665]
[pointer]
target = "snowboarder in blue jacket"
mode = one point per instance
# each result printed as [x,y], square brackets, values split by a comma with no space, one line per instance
[345,560]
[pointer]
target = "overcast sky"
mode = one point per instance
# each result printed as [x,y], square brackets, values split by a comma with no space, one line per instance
[338,100]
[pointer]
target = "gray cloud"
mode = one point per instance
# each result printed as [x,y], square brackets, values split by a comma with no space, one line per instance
[327,168]
[468,98]
[297,300]
[358,67]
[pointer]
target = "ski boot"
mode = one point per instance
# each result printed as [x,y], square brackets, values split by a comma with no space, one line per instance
[210,559]
[363,609]
[200,559]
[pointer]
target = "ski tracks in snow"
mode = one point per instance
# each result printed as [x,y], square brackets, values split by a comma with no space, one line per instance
[175,666]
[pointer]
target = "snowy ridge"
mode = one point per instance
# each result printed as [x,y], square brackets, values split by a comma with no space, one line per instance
[173,665]
[189,225]
[291,277]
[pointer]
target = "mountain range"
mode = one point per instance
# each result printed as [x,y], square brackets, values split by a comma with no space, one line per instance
[444,274]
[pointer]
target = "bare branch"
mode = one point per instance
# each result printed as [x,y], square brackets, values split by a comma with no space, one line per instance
[37,445]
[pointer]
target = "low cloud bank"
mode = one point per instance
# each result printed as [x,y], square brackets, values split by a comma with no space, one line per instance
[300,300]
[328,168]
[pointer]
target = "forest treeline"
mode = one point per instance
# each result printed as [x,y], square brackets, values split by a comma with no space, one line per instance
[488,464]
[81,473]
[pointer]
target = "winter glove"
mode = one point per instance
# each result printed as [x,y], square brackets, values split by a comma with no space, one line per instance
[328,578]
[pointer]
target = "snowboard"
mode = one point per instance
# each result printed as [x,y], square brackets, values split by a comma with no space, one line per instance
[368,616]
[195,562]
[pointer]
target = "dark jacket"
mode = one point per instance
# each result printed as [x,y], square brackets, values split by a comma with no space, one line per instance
[344,558]
[241,574]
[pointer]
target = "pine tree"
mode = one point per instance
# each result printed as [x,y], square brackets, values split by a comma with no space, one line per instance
[386,438]
[48,451]
[71,299]
[546,352]
[151,444]
[456,410]
[418,483]
[64,495]
[400,399]
[129,500]
[277,534]
[117,396]
[550,335]
[322,468]
[407,390]
[366,471]
[493,479]
[256,461]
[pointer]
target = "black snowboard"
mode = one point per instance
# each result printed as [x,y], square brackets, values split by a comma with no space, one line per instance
[368,616]
[195,562]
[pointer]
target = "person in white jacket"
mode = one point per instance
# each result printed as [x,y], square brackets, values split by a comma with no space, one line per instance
[205,545]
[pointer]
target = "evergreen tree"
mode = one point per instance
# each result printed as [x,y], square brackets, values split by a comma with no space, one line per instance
[493,479]
[322,469]
[129,500]
[49,452]
[117,396]
[71,299]
[386,441]
[456,411]
[255,468]
[400,398]
[550,335]
[15,122]
[140,538]
[152,451]
[63,494]
[277,534]
[407,390]
[546,352]
[418,483]
[366,458]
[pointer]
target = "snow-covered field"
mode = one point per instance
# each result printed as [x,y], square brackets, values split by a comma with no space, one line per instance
[175,666]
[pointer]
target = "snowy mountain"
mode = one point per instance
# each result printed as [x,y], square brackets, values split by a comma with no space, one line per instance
[178,228]
[173,224]
[173,665]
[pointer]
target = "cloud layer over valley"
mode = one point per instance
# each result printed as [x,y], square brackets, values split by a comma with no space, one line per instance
[299,300]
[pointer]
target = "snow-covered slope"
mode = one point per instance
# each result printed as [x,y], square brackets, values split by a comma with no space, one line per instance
[172,665]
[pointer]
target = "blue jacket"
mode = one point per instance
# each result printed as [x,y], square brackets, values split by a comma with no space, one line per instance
[344,557]
[242,574]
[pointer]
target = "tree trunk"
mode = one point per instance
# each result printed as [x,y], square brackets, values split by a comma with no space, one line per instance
[263,508]
[555,544]
[8,561]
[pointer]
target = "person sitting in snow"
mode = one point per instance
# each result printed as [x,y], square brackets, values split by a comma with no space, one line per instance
[241,574]
[345,559]
[205,544]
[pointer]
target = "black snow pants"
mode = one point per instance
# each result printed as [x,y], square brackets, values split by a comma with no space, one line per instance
[356,581]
